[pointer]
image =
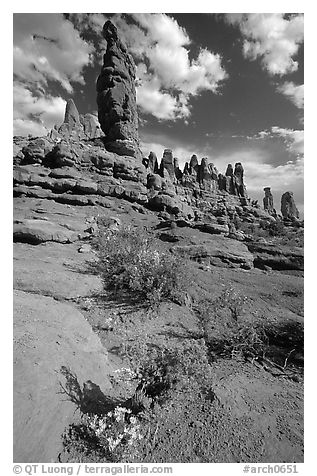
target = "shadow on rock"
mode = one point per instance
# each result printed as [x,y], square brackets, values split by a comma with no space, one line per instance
[89,398]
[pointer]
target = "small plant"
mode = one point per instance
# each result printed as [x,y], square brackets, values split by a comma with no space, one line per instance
[229,330]
[276,228]
[130,261]
[164,371]
[112,437]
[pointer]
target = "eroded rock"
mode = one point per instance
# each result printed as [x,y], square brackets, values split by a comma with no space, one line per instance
[116,97]
[288,207]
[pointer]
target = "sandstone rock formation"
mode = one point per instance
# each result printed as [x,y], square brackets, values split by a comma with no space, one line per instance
[238,180]
[76,127]
[288,207]
[167,163]
[199,176]
[268,203]
[153,163]
[63,185]
[116,96]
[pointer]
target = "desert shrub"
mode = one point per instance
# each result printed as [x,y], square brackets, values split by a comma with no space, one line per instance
[112,437]
[229,329]
[163,371]
[276,228]
[130,261]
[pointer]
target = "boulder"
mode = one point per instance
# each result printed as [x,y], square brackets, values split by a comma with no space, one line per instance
[61,155]
[154,181]
[163,202]
[35,150]
[86,187]
[39,231]
[212,228]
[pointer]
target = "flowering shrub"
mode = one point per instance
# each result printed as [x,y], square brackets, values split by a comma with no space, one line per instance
[229,326]
[112,437]
[116,431]
[130,260]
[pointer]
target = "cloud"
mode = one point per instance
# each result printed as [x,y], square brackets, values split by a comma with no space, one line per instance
[272,37]
[294,92]
[159,103]
[167,77]
[164,29]
[25,127]
[48,47]
[293,139]
[35,114]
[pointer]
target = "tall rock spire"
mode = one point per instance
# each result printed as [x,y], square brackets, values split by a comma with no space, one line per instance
[71,113]
[116,96]
[288,207]
[268,202]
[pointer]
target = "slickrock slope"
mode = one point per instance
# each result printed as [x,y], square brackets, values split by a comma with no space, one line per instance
[48,336]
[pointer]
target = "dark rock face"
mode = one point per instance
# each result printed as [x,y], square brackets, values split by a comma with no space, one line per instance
[288,207]
[239,184]
[232,182]
[229,171]
[193,165]
[177,170]
[268,201]
[167,163]
[207,175]
[35,150]
[153,163]
[116,97]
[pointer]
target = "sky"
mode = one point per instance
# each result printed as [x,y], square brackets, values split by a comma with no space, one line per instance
[224,86]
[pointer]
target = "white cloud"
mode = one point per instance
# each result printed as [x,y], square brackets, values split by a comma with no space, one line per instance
[293,139]
[272,37]
[159,103]
[48,47]
[33,114]
[165,71]
[88,21]
[24,127]
[294,92]
[163,29]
